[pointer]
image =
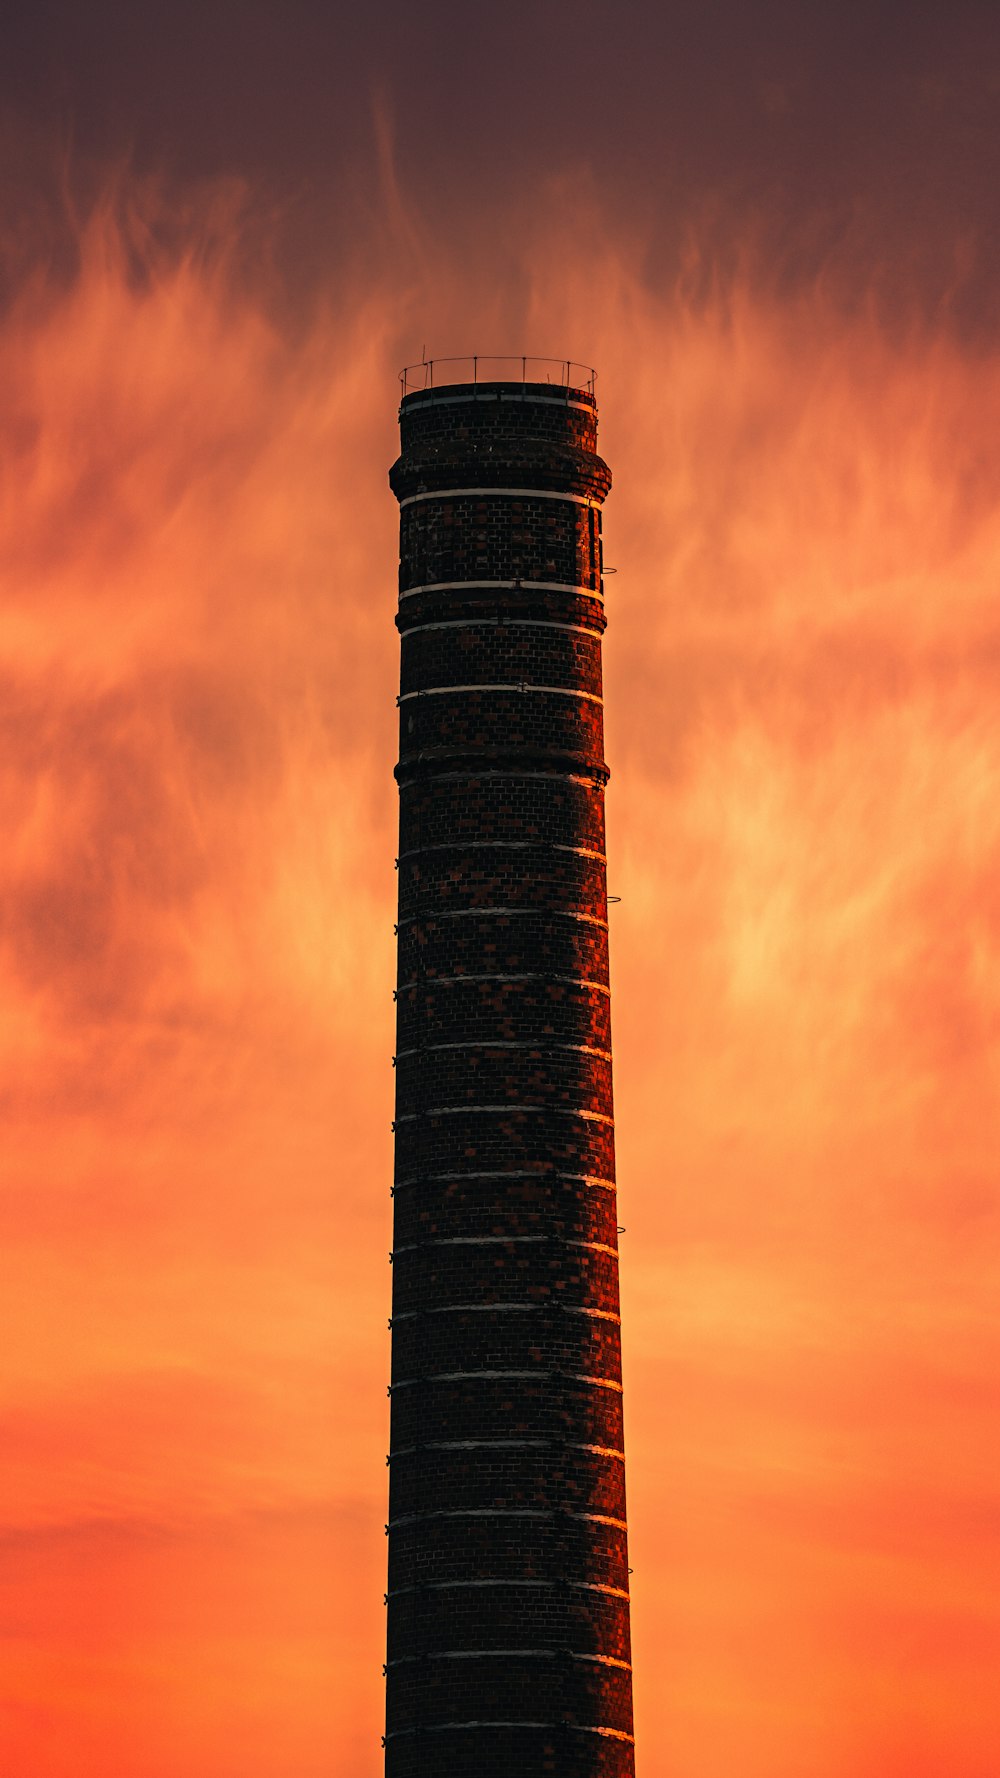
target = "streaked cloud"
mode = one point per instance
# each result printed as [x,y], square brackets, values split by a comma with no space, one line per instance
[199,665]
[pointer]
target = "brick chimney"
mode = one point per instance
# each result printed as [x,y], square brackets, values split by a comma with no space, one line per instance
[508,1612]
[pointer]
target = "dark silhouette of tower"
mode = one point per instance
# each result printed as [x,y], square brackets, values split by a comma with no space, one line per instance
[508,1616]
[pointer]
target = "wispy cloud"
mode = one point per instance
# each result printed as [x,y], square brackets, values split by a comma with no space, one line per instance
[199,668]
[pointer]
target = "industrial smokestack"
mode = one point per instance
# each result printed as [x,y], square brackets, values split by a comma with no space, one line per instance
[508,1613]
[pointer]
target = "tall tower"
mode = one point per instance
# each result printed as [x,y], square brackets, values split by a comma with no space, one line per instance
[508,1614]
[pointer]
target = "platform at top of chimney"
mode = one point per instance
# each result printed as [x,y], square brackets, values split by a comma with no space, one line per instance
[559,377]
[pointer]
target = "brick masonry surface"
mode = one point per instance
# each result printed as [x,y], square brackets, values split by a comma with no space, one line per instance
[508,1621]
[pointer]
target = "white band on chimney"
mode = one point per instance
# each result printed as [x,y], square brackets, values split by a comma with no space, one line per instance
[503,845]
[589,500]
[505,1309]
[532,1375]
[449,1586]
[519,685]
[474,913]
[505,1241]
[505,1444]
[452,981]
[493,1043]
[418,398]
[509,1654]
[500,1512]
[506,586]
[515,1105]
[500,623]
[609,1185]
[578,1728]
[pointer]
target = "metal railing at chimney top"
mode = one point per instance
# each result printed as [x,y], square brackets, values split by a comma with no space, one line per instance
[562,373]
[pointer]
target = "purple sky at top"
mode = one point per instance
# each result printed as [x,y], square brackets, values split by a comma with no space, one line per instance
[858,140]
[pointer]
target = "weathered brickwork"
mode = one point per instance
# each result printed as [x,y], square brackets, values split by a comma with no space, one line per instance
[430,1551]
[567,1076]
[446,1687]
[563,947]
[475,651]
[497,1137]
[499,537]
[544,1338]
[451,878]
[509,805]
[549,1476]
[541,1205]
[508,1621]
[445,1617]
[541,722]
[442,427]
[564,1752]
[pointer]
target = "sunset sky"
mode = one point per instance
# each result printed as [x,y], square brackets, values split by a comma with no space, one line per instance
[775,230]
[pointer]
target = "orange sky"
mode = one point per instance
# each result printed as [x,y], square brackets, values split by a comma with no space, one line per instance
[198,555]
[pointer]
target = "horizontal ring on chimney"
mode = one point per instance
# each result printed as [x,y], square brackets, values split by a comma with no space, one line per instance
[450,981]
[593,1117]
[505,1241]
[501,623]
[506,586]
[557,691]
[517,912]
[595,777]
[460,845]
[505,1444]
[509,493]
[417,399]
[554,1586]
[521,1173]
[437,1728]
[510,1654]
[495,1043]
[531,1376]
[506,1309]
[499,1512]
